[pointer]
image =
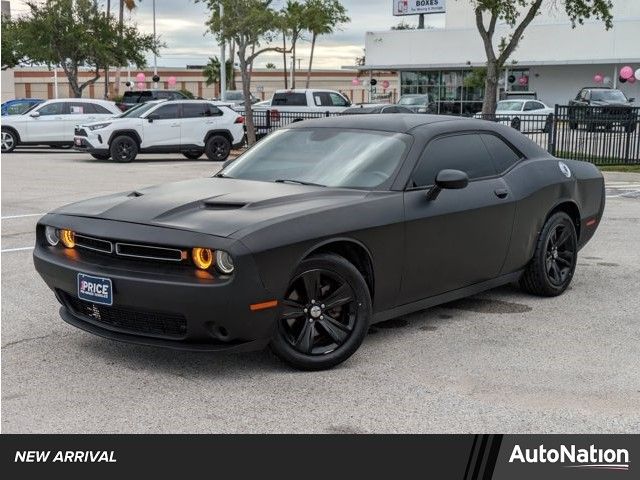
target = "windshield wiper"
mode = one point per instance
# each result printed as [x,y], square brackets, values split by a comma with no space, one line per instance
[299,182]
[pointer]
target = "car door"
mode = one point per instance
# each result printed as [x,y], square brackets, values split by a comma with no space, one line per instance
[462,236]
[197,119]
[161,127]
[48,125]
[330,101]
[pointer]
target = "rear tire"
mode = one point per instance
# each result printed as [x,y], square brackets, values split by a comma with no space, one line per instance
[324,315]
[123,149]
[101,156]
[192,155]
[217,148]
[551,269]
[9,140]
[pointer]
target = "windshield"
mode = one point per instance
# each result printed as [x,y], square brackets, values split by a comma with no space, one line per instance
[608,96]
[421,100]
[322,156]
[504,106]
[137,111]
[234,96]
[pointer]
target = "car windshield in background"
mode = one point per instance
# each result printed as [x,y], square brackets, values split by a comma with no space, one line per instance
[608,96]
[136,97]
[322,156]
[413,100]
[504,106]
[137,111]
[234,96]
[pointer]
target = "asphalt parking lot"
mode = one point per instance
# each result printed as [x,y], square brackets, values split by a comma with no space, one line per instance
[502,361]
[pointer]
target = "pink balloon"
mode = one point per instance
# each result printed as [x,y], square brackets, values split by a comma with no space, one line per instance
[140,77]
[171,80]
[631,80]
[626,72]
[355,82]
[598,78]
[523,81]
[385,84]
[140,85]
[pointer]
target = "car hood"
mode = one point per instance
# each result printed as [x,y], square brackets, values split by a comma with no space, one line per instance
[216,206]
[600,103]
[109,120]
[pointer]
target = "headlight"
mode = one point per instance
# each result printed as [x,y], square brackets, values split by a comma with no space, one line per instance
[51,234]
[68,238]
[202,257]
[98,126]
[224,262]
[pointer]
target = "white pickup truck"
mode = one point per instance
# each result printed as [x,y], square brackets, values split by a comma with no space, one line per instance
[288,106]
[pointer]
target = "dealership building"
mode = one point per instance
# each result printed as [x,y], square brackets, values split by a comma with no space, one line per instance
[553,59]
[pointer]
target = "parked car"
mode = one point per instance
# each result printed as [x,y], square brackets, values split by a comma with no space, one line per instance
[322,229]
[289,106]
[372,108]
[236,97]
[19,106]
[134,97]
[190,127]
[418,103]
[524,115]
[602,107]
[52,122]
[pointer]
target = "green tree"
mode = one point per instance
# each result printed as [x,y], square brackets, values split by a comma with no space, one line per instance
[518,15]
[270,66]
[403,25]
[248,23]
[323,18]
[72,34]
[211,71]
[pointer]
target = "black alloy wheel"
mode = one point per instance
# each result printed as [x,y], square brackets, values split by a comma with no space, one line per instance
[554,262]
[324,314]
[124,149]
[217,148]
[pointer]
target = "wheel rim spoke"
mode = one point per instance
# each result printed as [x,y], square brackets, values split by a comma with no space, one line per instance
[312,284]
[341,296]
[564,236]
[291,310]
[304,342]
[335,329]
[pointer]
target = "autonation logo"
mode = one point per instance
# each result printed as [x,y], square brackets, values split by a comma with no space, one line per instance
[573,457]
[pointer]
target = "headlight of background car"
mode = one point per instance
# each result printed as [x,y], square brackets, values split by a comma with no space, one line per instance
[98,126]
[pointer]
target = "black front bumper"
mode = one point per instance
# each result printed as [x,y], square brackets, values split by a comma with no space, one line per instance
[83,145]
[154,305]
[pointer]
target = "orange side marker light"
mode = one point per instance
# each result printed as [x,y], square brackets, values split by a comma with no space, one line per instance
[263,306]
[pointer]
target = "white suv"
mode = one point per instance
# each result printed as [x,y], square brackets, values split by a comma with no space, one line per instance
[52,122]
[190,127]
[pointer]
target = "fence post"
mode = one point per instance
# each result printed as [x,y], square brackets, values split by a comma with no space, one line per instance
[553,133]
[268,120]
[327,114]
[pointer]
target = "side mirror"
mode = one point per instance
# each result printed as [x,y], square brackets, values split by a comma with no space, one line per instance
[153,116]
[448,180]
[632,99]
[34,114]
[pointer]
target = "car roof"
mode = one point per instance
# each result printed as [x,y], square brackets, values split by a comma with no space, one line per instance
[87,100]
[397,123]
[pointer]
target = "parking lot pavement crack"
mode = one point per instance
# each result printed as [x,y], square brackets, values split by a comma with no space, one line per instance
[25,340]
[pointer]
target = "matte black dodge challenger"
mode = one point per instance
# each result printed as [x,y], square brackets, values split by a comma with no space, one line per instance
[318,231]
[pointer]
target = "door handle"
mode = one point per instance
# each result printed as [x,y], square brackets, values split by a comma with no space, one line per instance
[501,192]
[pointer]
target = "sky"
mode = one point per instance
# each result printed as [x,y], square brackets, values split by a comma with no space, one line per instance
[180,25]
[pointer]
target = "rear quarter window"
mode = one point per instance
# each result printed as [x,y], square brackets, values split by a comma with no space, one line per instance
[504,157]
[289,99]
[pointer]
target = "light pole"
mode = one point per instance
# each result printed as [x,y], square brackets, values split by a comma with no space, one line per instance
[155,58]
[223,64]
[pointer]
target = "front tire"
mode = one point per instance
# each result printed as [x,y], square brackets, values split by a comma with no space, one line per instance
[123,149]
[217,148]
[9,140]
[551,269]
[324,314]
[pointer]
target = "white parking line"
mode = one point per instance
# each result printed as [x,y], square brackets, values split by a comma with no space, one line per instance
[20,249]
[8,217]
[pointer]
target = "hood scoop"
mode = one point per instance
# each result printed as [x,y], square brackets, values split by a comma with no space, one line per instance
[222,205]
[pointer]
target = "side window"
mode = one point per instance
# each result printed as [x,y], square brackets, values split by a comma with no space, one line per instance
[57,108]
[100,109]
[167,112]
[17,108]
[459,152]
[503,155]
[289,99]
[164,95]
[192,110]
[211,110]
[584,95]
[529,106]
[79,108]
[337,100]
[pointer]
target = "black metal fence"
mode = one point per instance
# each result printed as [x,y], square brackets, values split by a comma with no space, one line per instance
[600,135]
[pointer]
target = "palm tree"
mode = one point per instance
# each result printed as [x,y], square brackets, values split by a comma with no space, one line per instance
[130,5]
[323,17]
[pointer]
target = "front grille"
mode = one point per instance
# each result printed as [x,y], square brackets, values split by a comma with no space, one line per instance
[149,252]
[129,319]
[93,243]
